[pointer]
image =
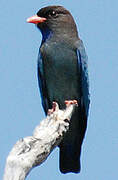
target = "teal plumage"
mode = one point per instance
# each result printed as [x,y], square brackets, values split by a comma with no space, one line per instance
[63,75]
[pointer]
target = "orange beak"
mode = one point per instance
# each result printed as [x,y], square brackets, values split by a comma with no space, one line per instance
[36,19]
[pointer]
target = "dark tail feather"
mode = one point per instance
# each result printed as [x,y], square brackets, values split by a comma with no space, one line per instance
[69,159]
[70,147]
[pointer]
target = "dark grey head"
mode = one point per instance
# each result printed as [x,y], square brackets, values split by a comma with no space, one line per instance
[56,20]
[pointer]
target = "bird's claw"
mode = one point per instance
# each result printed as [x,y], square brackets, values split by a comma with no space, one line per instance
[54,108]
[69,102]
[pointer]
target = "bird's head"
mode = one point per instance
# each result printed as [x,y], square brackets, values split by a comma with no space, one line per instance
[54,20]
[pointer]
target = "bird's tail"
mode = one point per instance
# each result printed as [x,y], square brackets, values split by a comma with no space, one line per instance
[69,159]
[70,147]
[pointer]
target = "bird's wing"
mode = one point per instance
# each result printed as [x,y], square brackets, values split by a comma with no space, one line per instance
[83,67]
[42,85]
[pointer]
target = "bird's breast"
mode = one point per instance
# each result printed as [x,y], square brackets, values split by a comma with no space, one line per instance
[61,73]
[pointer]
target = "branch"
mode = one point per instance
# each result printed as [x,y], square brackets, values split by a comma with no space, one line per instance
[31,151]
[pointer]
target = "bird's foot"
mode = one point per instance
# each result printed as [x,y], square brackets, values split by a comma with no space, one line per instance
[54,107]
[69,102]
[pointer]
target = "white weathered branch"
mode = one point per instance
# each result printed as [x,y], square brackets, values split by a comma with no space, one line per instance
[33,150]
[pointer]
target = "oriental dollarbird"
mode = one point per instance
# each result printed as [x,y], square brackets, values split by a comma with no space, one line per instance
[63,75]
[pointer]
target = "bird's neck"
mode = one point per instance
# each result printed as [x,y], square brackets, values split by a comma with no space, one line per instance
[57,36]
[46,34]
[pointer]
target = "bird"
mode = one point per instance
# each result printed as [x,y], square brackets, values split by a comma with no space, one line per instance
[63,75]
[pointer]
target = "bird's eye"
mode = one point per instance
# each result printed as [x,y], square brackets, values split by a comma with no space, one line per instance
[52,13]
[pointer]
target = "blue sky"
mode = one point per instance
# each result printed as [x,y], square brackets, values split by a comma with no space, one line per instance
[20,105]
